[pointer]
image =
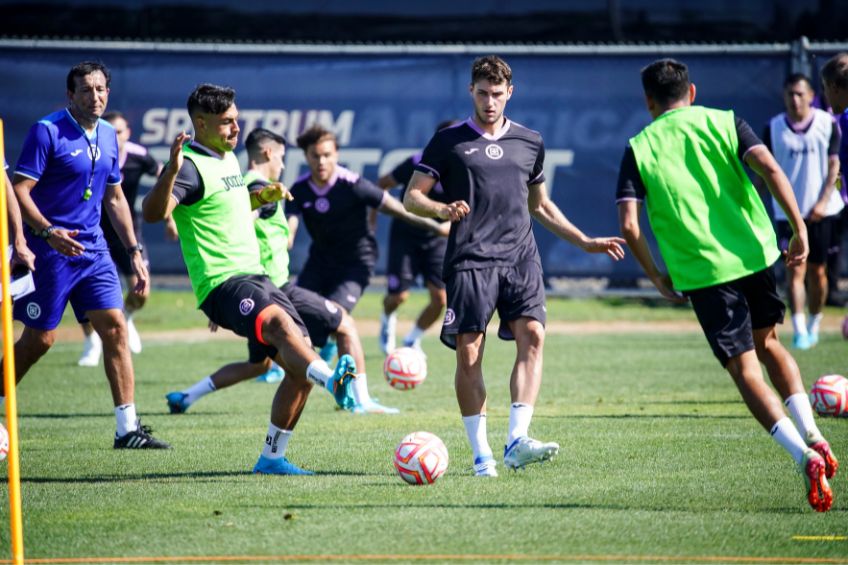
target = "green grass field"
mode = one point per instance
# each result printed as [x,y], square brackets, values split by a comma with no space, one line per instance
[659,461]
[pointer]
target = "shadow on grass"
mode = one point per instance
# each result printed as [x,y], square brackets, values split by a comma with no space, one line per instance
[645,416]
[193,475]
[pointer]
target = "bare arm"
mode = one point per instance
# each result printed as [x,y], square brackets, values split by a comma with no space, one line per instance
[548,213]
[23,254]
[294,222]
[762,162]
[628,219]
[820,208]
[118,209]
[158,204]
[394,208]
[417,202]
[62,240]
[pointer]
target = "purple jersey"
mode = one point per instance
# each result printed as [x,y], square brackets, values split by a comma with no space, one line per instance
[492,173]
[336,217]
[64,161]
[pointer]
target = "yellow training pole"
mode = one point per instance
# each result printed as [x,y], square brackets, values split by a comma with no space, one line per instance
[14,471]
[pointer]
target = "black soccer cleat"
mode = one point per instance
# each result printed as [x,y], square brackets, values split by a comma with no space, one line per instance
[141,438]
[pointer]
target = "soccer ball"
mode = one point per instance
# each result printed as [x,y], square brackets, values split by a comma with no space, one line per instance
[421,458]
[829,395]
[4,442]
[405,368]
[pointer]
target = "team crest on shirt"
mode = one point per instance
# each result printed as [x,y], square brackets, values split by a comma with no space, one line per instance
[494,151]
[450,316]
[33,310]
[94,153]
[331,308]
[246,306]
[322,205]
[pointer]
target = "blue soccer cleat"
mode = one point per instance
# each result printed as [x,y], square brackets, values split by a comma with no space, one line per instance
[340,384]
[273,375]
[177,402]
[801,341]
[373,406]
[329,351]
[282,466]
[485,466]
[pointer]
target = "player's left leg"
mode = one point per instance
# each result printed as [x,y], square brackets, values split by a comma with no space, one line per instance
[132,304]
[816,296]
[428,316]
[428,261]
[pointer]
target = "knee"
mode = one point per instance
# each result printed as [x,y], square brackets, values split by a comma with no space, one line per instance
[37,344]
[535,335]
[439,298]
[394,300]
[347,327]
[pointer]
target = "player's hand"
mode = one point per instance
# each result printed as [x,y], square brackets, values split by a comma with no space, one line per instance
[817,214]
[664,285]
[797,252]
[454,211]
[177,157]
[63,241]
[444,229]
[23,255]
[612,246]
[273,192]
[142,285]
[171,233]
[213,327]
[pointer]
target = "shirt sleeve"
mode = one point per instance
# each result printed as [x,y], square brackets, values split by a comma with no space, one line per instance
[369,192]
[115,175]
[434,158]
[537,175]
[767,136]
[36,151]
[835,141]
[403,172]
[188,186]
[293,206]
[843,146]
[747,138]
[630,185]
[150,166]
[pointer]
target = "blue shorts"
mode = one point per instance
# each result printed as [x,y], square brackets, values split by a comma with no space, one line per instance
[89,282]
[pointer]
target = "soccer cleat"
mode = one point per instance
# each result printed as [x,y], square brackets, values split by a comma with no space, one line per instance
[273,375]
[831,464]
[177,403]
[387,333]
[133,339]
[485,466]
[372,406]
[801,341]
[340,384]
[92,348]
[525,450]
[812,467]
[281,466]
[416,345]
[140,438]
[813,338]
[329,351]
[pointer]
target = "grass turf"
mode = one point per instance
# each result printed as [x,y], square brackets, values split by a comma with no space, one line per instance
[659,461]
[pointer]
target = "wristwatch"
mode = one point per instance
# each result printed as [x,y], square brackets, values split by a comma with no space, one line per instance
[137,247]
[46,232]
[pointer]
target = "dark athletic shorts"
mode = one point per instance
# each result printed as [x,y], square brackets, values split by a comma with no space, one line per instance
[236,304]
[410,256]
[729,312]
[475,294]
[818,233]
[343,285]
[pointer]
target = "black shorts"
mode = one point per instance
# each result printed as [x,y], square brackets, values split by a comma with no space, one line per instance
[343,285]
[729,312]
[410,256]
[475,294]
[819,235]
[236,304]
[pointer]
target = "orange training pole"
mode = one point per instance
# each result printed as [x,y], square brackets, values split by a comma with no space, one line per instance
[14,471]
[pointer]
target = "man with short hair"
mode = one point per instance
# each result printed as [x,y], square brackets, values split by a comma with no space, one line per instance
[203,189]
[717,241]
[805,143]
[67,173]
[491,170]
[323,318]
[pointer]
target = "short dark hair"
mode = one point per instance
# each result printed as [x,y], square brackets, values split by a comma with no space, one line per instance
[210,99]
[835,71]
[795,78]
[113,115]
[491,68]
[257,138]
[84,69]
[666,81]
[315,134]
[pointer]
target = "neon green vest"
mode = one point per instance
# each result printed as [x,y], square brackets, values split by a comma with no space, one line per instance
[273,236]
[709,222]
[215,237]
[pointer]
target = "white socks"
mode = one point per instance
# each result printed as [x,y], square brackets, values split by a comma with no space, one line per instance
[802,413]
[519,421]
[475,427]
[360,389]
[413,337]
[815,322]
[319,373]
[199,389]
[799,324]
[125,419]
[785,433]
[276,442]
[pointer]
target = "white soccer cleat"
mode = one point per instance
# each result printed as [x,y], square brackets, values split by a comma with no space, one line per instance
[485,467]
[526,450]
[371,406]
[91,350]
[133,338]
[388,339]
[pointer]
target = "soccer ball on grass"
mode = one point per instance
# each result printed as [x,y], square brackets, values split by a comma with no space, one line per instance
[829,395]
[421,458]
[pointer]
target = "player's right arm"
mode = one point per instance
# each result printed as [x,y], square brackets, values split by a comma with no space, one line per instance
[762,162]
[417,202]
[158,203]
[23,254]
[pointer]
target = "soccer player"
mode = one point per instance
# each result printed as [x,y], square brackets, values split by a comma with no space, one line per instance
[135,162]
[67,173]
[266,151]
[716,239]
[334,203]
[21,253]
[491,171]
[805,143]
[412,252]
[834,76]
[203,189]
